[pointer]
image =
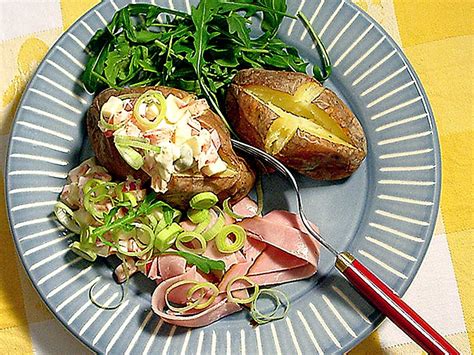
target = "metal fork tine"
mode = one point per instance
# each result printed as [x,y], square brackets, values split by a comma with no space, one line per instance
[287,173]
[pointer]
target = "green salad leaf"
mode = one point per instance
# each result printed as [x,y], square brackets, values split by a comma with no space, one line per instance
[199,52]
[203,263]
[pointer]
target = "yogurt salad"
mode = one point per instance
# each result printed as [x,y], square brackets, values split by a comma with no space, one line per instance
[162,136]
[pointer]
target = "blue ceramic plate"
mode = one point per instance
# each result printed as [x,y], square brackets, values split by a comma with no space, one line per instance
[384,214]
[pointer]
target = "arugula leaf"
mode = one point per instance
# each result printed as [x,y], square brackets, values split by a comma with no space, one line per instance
[109,216]
[201,16]
[203,263]
[113,65]
[238,24]
[144,208]
[145,36]
[272,20]
[94,66]
[251,7]
[327,66]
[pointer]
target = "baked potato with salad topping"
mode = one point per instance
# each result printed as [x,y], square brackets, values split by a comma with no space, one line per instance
[182,149]
[293,117]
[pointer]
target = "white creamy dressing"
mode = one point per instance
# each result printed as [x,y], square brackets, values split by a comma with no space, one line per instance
[186,147]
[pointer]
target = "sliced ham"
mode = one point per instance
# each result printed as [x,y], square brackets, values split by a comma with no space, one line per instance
[245,207]
[290,254]
[277,250]
[288,219]
[179,294]
[153,272]
[187,225]
[166,266]
[171,265]
[274,259]
[280,235]
[229,259]
[252,250]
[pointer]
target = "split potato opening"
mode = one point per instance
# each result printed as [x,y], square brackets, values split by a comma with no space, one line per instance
[296,112]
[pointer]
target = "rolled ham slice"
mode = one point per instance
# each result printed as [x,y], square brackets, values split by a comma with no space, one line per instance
[288,219]
[153,272]
[290,255]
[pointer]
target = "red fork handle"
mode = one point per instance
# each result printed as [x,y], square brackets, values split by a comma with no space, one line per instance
[392,306]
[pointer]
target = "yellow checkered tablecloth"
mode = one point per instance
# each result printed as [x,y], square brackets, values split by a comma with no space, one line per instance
[438,38]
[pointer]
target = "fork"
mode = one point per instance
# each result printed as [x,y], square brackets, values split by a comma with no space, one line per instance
[360,277]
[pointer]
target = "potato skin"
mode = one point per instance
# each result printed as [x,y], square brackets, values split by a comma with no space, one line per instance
[310,155]
[181,187]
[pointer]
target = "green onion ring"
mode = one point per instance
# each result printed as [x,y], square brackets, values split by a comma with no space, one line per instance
[186,237]
[135,253]
[89,205]
[197,216]
[200,286]
[228,210]
[201,227]
[135,142]
[231,298]
[83,252]
[190,305]
[203,201]
[150,97]
[131,156]
[221,239]
[87,238]
[262,318]
[177,215]
[165,238]
[94,191]
[212,232]
[96,183]
[146,238]
[123,288]
[66,217]
[150,220]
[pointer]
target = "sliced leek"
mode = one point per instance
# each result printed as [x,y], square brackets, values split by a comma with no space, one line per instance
[66,217]
[231,298]
[203,200]
[153,99]
[186,237]
[222,239]
[280,310]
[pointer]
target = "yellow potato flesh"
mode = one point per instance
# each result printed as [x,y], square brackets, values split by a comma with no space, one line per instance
[300,104]
[285,127]
[296,112]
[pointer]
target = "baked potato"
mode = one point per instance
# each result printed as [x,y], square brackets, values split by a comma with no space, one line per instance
[230,175]
[293,117]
